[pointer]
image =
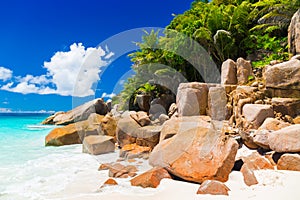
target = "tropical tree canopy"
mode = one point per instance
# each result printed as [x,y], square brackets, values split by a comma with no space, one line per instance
[253,29]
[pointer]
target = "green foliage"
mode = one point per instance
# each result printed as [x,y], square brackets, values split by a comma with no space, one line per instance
[275,15]
[269,48]
[224,28]
[251,78]
[147,88]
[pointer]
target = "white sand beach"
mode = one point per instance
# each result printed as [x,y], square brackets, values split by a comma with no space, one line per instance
[273,184]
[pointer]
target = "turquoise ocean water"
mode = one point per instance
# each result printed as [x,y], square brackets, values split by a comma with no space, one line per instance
[28,169]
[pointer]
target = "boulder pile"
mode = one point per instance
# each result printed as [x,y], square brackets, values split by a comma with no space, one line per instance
[245,123]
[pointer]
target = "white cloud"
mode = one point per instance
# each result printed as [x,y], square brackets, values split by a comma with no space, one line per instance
[74,72]
[27,88]
[5,74]
[105,95]
[41,80]
[7,86]
[109,55]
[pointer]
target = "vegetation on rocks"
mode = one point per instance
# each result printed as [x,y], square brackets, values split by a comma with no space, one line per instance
[252,29]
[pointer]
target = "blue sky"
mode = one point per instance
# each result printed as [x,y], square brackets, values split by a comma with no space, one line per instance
[46,44]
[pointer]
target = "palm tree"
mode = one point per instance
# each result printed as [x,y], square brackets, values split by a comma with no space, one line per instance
[274,16]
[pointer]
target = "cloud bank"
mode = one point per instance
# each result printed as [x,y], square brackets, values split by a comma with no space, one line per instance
[70,73]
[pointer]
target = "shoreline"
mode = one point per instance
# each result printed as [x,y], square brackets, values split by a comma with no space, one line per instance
[273,184]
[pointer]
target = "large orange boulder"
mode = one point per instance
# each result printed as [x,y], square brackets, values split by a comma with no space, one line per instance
[63,136]
[76,132]
[196,155]
[150,178]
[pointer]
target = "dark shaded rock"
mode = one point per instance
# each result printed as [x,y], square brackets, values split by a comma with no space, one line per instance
[287,106]
[238,165]
[143,102]
[284,93]
[161,105]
